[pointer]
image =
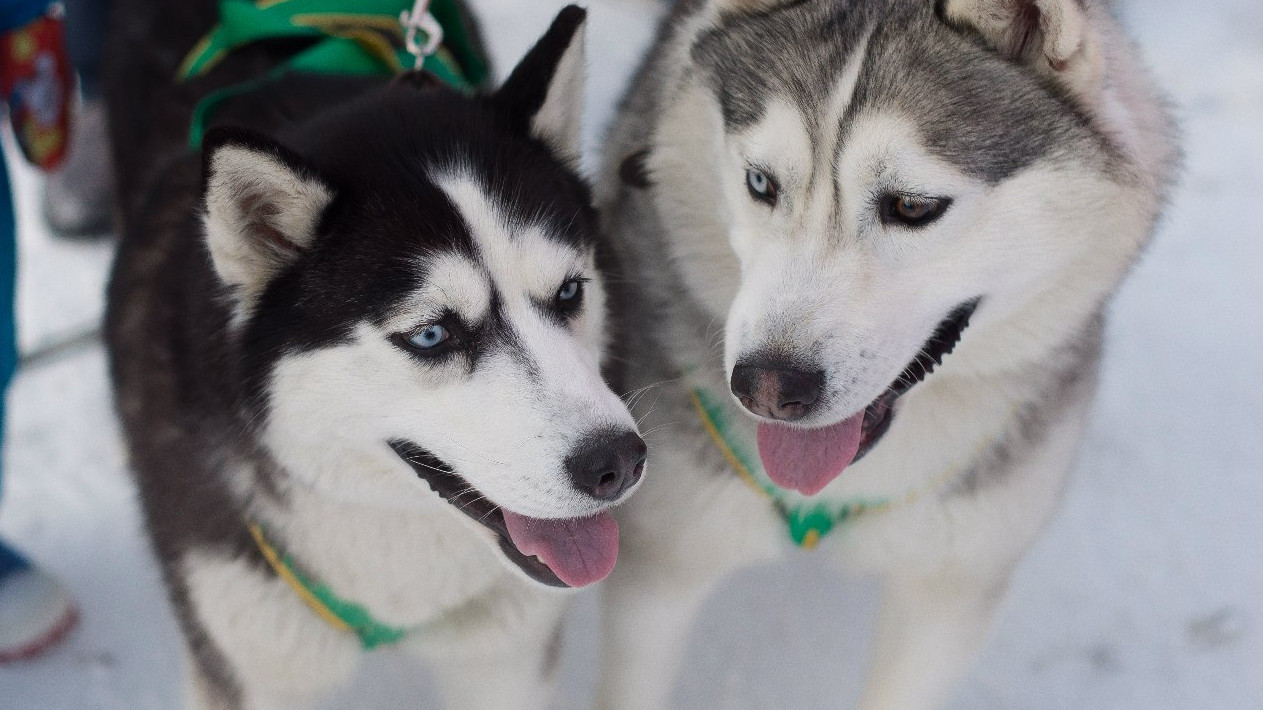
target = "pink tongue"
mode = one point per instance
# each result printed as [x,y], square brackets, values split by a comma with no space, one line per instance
[580,552]
[806,460]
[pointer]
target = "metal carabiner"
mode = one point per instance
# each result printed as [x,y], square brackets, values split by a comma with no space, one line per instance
[420,21]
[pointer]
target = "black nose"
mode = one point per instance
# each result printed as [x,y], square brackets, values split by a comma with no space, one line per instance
[783,393]
[607,464]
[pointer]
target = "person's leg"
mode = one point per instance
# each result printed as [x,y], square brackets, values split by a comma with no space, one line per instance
[8,297]
[79,198]
[35,611]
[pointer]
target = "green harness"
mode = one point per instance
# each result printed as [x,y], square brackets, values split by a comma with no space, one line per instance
[351,37]
[337,612]
[808,521]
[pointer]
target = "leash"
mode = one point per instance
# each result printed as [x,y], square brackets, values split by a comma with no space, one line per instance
[343,615]
[351,37]
[808,522]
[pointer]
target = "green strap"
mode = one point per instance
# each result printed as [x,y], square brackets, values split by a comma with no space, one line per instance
[352,37]
[371,632]
[339,613]
[808,522]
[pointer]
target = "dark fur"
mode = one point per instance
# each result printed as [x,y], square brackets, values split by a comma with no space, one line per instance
[188,389]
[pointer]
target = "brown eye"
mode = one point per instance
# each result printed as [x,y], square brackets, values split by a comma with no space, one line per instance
[912,210]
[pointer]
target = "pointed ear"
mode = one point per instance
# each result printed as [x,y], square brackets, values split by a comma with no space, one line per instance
[262,204]
[544,94]
[1056,37]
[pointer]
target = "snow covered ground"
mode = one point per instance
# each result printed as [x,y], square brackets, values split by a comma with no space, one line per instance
[1147,591]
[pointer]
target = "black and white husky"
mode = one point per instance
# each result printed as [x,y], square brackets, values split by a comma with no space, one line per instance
[356,345]
[876,241]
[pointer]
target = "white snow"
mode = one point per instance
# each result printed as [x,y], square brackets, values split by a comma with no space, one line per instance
[1146,592]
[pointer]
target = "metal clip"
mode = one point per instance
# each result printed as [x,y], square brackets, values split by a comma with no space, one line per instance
[420,21]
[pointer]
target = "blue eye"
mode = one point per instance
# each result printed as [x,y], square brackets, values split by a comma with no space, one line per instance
[569,290]
[762,187]
[429,337]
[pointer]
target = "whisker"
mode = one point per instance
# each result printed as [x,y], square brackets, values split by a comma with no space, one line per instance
[475,453]
[650,432]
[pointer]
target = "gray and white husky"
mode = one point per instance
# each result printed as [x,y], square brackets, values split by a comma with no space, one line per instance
[876,241]
[356,344]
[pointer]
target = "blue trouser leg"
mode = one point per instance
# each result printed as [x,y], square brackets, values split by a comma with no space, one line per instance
[9,559]
[13,13]
[8,282]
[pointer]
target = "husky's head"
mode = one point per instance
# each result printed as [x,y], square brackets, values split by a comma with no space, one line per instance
[849,184]
[420,311]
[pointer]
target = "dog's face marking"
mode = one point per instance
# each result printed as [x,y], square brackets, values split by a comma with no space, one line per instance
[534,266]
[503,396]
[876,169]
[419,307]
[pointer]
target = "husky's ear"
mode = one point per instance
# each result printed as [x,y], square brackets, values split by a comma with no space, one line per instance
[262,204]
[1056,37]
[544,94]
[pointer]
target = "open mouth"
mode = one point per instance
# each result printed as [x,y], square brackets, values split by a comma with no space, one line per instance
[880,413]
[807,460]
[557,553]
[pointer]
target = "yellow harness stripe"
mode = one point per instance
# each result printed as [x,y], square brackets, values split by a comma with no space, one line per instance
[726,450]
[283,571]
